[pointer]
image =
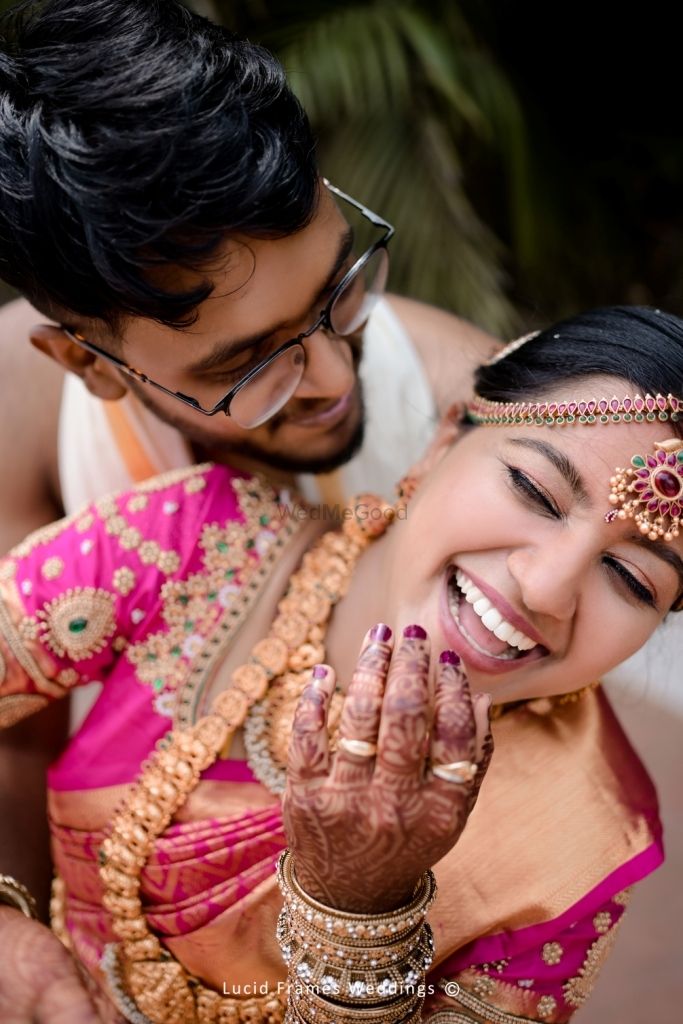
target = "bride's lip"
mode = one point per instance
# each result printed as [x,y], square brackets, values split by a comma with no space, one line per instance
[506,610]
[472,657]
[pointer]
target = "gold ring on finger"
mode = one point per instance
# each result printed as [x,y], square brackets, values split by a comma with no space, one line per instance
[361,748]
[459,772]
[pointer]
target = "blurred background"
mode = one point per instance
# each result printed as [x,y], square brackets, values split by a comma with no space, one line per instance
[531,158]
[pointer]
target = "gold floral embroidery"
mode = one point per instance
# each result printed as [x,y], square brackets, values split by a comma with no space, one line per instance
[78,623]
[84,522]
[196,607]
[602,922]
[552,953]
[68,677]
[149,552]
[8,569]
[123,580]
[168,562]
[546,1006]
[198,483]
[483,986]
[52,568]
[119,643]
[130,538]
[19,705]
[622,899]
[577,989]
[138,503]
[28,629]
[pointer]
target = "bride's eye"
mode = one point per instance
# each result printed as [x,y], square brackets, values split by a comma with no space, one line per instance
[638,589]
[531,493]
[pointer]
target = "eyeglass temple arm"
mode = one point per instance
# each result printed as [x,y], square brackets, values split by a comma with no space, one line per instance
[130,371]
[375,218]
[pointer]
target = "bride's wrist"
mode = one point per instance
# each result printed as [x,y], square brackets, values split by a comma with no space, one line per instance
[347,966]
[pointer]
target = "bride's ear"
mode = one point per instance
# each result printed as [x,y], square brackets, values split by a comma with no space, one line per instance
[449,427]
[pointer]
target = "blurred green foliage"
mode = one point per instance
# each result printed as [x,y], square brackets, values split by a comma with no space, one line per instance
[406,102]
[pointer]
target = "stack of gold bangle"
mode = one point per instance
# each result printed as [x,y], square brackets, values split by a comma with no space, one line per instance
[350,968]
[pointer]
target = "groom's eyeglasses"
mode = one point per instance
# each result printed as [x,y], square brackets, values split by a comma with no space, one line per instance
[269,385]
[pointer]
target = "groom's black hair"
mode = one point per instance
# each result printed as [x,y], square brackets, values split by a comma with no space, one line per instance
[135,135]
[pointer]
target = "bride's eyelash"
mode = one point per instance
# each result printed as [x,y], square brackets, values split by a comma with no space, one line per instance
[635,586]
[523,485]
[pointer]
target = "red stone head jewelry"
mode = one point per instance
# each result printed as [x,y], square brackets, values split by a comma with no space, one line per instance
[651,491]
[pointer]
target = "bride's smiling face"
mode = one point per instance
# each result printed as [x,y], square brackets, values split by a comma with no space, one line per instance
[506,558]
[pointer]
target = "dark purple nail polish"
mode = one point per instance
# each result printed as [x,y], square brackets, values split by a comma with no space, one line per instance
[449,658]
[414,633]
[319,672]
[380,632]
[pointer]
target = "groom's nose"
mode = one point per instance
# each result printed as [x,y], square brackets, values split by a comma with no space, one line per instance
[330,371]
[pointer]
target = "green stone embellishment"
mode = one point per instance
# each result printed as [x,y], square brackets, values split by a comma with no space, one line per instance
[638,461]
[222,546]
[158,684]
[78,625]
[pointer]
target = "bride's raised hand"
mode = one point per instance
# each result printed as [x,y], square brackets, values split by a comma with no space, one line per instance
[366,821]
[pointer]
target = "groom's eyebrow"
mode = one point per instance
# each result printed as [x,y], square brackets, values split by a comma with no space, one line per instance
[225,350]
[562,463]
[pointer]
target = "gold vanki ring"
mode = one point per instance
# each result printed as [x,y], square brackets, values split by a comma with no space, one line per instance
[361,748]
[459,772]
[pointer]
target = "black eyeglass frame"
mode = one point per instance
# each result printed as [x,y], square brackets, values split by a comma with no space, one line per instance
[323,322]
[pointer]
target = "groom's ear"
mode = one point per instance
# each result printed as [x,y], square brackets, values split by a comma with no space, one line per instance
[99,378]
[449,428]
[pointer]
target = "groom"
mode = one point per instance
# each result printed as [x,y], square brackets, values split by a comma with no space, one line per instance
[164,217]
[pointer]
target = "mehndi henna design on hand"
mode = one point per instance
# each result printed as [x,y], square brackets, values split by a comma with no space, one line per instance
[361,839]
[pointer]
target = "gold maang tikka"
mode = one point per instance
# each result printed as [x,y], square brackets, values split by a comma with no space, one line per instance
[650,491]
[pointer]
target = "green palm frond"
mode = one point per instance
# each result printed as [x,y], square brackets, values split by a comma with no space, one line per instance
[391,93]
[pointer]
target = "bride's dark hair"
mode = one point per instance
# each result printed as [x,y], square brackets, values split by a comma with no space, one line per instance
[641,346]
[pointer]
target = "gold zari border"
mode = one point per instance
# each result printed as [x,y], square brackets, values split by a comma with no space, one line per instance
[489,1014]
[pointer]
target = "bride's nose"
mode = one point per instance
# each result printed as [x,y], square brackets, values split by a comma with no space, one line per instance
[549,577]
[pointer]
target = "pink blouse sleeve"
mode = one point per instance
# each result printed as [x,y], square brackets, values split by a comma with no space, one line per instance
[548,982]
[72,592]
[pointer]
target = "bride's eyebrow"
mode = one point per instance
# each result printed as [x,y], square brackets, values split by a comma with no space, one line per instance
[562,463]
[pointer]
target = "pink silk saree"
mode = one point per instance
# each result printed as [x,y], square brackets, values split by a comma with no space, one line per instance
[143,593]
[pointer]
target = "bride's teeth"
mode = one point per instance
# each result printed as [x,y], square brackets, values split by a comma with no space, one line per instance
[526,643]
[504,631]
[492,618]
[482,605]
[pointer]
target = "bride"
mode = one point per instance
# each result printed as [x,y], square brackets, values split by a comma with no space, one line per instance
[534,547]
